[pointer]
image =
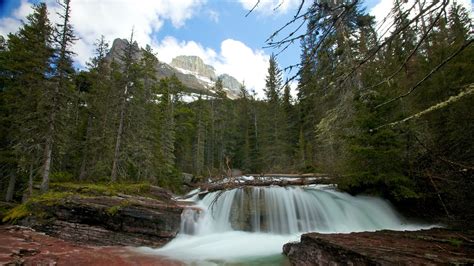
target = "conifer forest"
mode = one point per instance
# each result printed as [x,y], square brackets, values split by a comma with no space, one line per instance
[383,111]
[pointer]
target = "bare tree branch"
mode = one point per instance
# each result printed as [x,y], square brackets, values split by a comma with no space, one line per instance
[251,10]
[422,39]
[464,46]
[390,38]
[451,100]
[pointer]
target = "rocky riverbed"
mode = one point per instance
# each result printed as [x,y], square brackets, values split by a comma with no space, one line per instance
[426,247]
[114,220]
[93,225]
[146,216]
[24,246]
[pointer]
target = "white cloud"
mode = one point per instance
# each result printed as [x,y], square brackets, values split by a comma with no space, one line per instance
[12,23]
[234,58]
[268,7]
[213,15]
[170,47]
[24,9]
[92,18]
[243,63]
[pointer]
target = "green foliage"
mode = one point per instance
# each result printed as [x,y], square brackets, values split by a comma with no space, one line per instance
[103,189]
[416,150]
[49,198]
[125,125]
[28,208]
[17,213]
[172,180]
[455,242]
[61,177]
[112,211]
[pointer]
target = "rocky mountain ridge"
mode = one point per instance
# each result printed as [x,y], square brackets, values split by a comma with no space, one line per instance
[196,76]
[194,65]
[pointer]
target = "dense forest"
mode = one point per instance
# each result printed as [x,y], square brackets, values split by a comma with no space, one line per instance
[387,114]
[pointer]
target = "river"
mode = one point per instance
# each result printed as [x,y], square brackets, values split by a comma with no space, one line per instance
[250,225]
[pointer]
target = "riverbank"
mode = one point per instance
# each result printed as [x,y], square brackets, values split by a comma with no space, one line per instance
[24,246]
[424,247]
[124,215]
[90,224]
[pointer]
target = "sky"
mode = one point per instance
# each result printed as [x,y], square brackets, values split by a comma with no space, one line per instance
[215,30]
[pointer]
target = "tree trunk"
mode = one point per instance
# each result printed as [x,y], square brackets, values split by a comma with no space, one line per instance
[113,176]
[30,181]
[47,155]
[82,171]
[11,188]
[46,165]
[256,130]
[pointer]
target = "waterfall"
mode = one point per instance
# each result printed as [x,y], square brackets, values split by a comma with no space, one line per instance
[257,221]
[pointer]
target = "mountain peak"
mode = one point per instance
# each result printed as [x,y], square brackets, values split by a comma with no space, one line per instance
[190,70]
[194,64]
[191,64]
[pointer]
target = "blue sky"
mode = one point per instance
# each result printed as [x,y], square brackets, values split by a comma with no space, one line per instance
[215,30]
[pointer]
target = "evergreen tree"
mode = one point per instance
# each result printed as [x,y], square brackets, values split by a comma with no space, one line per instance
[97,105]
[139,134]
[127,82]
[243,153]
[166,137]
[290,133]
[26,70]
[273,133]
[60,93]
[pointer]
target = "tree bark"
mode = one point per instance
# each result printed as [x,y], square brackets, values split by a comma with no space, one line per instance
[11,188]
[47,155]
[265,183]
[83,171]
[113,176]
[30,181]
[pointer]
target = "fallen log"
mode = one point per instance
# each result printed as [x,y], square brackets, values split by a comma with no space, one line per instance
[307,175]
[264,183]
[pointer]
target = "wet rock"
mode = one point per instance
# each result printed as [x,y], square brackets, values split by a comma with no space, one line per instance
[426,247]
[24,246]
[118,220]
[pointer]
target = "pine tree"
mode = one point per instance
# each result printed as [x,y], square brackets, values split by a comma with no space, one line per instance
[166,138]
[200,137]
[126,81]
[62,82]
[143,106]
[273,133]
[27,69]
[243,153]
[97,99]
[290,132]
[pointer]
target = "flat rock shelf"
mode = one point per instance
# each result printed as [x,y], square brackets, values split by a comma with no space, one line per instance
[24,246]
[425,247]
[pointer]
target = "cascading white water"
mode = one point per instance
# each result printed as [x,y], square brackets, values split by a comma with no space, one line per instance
[257,221]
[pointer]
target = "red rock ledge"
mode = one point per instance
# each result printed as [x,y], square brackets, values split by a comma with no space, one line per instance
[426,247]
[23,246]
